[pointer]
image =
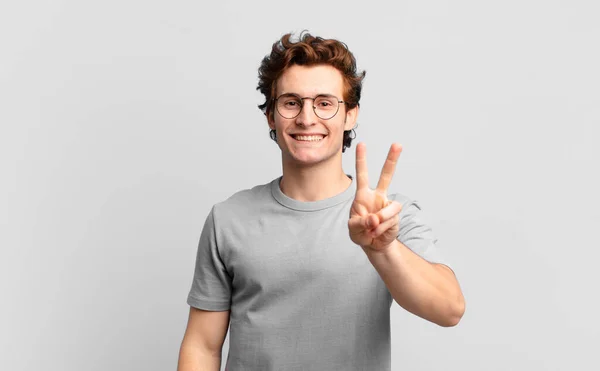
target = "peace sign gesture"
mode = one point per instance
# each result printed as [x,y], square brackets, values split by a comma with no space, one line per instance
[374,220]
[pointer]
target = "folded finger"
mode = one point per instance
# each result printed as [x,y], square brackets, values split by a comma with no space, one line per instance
[383,227]
[389,211]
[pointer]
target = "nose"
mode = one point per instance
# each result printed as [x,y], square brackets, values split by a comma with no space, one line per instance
[307,116]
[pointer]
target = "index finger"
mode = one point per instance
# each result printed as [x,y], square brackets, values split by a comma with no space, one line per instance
[362,174]
[388,168]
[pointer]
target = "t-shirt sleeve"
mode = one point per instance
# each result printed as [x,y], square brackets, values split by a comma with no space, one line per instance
[211,285]
[416,234]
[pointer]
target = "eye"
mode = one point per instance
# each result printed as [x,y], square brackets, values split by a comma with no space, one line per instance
[325,103]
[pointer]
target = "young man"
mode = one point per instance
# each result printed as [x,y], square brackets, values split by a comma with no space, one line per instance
[303,269]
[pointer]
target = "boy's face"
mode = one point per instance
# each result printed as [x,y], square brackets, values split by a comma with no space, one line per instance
[310,82]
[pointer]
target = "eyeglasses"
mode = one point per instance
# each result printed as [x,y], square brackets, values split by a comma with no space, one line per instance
[290,105]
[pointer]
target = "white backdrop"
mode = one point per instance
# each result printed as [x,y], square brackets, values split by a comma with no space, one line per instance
[123,122]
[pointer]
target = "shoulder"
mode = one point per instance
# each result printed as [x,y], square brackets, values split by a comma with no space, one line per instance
[242,203]
[399,197]
[404,200]
[411,207]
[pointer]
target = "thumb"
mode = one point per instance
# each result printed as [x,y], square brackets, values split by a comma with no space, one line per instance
[371,221]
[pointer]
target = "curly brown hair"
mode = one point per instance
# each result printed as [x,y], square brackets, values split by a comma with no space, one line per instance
[309,50]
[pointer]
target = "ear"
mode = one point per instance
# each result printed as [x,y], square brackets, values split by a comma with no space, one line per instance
[351,116]
[270,120]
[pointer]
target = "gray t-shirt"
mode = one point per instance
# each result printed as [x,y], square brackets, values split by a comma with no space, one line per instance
[301,294]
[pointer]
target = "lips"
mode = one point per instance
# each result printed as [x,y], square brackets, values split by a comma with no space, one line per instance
[308,137]
[295,135]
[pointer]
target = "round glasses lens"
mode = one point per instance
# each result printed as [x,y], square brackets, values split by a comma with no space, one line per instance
[289,106]
[326,106]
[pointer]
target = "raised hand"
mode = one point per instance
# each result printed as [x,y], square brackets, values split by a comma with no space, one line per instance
[374,220]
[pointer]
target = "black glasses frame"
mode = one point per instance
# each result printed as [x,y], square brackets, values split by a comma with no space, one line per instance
[302,105]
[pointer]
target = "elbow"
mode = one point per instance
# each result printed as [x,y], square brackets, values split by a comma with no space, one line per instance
[455,313]
[450,321]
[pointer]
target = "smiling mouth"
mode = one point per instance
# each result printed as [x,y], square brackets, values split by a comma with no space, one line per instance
[308,138]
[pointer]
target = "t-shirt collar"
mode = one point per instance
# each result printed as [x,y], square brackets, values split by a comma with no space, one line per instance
[311,205]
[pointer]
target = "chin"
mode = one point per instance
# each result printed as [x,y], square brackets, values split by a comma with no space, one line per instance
[306,159]
[307,156]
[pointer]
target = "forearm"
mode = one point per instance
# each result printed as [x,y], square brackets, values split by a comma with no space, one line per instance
[194,358]
[427,290]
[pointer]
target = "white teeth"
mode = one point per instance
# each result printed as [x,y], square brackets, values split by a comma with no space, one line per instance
[309,138]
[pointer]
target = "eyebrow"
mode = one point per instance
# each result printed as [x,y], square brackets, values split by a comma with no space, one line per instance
[319,94]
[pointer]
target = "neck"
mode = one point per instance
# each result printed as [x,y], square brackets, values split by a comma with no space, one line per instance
[313,183]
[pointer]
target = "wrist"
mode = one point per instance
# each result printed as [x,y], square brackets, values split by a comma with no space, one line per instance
[382,251]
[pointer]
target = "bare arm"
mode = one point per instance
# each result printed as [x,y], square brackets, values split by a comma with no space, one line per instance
[203,340]
[428,290]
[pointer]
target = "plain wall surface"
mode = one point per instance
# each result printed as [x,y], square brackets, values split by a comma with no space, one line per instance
[123,122]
